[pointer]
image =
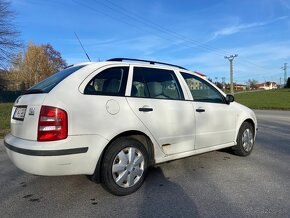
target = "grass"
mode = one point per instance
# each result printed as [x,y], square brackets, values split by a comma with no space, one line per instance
[5,112]
[278,99]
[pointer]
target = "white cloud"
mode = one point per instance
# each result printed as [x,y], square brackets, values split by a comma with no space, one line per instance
[144,46]
[240,27]
[259,61]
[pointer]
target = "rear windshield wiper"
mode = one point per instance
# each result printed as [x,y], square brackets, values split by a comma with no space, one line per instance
[33,91]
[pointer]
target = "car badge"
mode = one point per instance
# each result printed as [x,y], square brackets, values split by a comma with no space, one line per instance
[31,111]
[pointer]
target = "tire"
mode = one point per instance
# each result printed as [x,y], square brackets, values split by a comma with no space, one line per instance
[245,140]
[121,173]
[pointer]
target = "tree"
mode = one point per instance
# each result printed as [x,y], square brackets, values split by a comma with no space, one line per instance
[8,35]
[252,83]
[2,80]
[288,83]
[55,59]
[36,64]
[219,85]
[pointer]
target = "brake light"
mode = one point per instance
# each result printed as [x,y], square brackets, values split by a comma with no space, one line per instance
[52,124]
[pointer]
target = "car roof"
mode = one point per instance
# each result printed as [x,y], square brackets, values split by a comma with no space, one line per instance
[146,61]
[135,61]
[140,62]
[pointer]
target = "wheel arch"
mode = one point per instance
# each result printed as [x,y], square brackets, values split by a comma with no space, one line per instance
[138,135]
[249,120]
[246,120]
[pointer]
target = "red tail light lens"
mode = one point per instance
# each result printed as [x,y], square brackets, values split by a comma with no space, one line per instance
[52,124]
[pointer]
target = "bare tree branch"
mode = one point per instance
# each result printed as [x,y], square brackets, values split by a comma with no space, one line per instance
[9,42]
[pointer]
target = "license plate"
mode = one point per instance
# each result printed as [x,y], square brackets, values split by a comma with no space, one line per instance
[19,113]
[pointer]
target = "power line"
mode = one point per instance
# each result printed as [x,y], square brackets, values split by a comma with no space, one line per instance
[119,19]
[136,18]
[158,27]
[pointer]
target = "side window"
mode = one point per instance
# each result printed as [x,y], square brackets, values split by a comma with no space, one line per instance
[201,90]
[111,81]
[155,83]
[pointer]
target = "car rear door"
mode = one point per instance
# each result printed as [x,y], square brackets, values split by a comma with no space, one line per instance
[158,101]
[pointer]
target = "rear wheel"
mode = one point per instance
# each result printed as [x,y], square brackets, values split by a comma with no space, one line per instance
[124,166]
[245,140]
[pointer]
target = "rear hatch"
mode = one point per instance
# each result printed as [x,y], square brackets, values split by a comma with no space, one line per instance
[25,115]
[26,110]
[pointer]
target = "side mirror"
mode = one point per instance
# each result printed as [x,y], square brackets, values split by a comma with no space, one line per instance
[230,98]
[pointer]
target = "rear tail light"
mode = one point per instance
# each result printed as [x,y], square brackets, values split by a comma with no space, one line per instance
[52,124]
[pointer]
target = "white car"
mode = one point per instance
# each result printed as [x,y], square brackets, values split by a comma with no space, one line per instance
[114,119]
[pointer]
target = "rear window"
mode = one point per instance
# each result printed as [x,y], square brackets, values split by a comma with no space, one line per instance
[111,81]
[49,83]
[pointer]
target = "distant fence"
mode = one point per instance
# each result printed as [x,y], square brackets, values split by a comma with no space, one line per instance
[9,96]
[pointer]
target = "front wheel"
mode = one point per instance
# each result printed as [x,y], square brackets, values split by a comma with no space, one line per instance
[245,140]
[124,166]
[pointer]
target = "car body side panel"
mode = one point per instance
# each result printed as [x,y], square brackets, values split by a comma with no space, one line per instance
[244,113]
[191,153]
[93,121]
[107,116]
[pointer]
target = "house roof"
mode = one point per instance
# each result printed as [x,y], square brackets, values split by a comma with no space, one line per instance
[266,84]
[242,85]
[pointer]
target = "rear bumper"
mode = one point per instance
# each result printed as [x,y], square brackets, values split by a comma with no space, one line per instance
[46,152]
[64,157]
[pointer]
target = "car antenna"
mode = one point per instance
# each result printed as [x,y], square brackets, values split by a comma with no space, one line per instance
[83,47]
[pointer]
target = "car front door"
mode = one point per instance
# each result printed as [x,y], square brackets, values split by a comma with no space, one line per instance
[215,120]
[158,101]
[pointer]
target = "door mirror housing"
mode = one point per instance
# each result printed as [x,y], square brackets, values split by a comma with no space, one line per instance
[230,98]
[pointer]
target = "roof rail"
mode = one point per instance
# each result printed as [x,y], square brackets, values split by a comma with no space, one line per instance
[148,61]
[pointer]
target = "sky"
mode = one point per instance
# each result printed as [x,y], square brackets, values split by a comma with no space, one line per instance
[195,34]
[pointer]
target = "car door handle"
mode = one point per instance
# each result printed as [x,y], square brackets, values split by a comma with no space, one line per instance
[145,109]
[200,110]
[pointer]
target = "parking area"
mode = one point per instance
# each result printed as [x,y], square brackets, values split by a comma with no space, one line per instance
[212,184]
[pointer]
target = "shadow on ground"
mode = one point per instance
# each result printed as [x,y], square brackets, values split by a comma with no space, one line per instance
[165,198]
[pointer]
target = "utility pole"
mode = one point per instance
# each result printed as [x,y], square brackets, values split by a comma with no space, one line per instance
[231,58]
[285,67]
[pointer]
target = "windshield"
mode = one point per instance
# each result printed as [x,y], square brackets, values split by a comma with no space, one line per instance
[49,83]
